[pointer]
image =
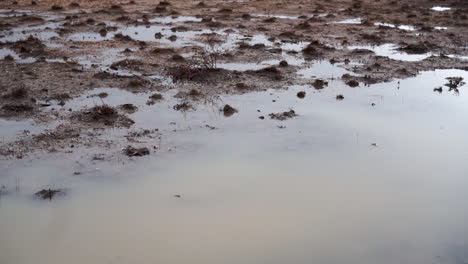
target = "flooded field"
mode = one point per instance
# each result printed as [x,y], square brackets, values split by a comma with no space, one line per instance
[224,132]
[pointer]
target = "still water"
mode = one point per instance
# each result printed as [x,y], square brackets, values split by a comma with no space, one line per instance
[343,182]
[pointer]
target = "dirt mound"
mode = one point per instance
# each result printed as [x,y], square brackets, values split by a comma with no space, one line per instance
[104,115]
[229,110]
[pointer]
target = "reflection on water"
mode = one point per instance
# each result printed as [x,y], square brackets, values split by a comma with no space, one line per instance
[343,182]
[391,51]
[402,27]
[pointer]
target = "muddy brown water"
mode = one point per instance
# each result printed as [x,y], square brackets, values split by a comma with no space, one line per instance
[343,182]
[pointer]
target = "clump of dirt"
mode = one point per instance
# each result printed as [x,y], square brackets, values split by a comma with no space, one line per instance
[133,135]
[30,46]
[56,8]
[8,58]
[316,49]
[163,50]
[17,93]
[242,86]
[284,115]
[122,37]
[310,50]
[289,35]
[194,92]
[301,94]
[103,111]
[177,58]
[257,46]
[126,64]
[179,29]
[158,35]
[271,72]
[136,152]
[184,106]
[283,63]
[136,83]
[164,3]
[102,95]
[270,20]
[419,48]
[160,9]
[153,98]
[61,97]
[17,102]
[183,72]
[229,110]
[49,194]
[304,25]
[339,97]
[319,84]
[352,83]
[225,10]
[246,16]
[16,108]
[129,108]
[104,114]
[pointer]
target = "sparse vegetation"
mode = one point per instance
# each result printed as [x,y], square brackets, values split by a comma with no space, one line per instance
[49,194]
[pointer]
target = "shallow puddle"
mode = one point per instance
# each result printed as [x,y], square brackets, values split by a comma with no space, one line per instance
[103,59]
[11,129]
[44,32]
[13,13]
[176,19]
[323,69]
[4,52]
[253,66]
[349,21]
[458,57]
[402,27]
[276,16]
[391,51]
[440,8]
[302,189]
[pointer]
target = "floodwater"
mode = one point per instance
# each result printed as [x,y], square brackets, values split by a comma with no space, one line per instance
[343,182]
[379,177]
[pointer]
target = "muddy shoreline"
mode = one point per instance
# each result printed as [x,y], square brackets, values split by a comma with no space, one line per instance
[52,54]
[233,131]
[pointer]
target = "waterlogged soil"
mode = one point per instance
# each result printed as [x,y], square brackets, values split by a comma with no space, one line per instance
[242,127]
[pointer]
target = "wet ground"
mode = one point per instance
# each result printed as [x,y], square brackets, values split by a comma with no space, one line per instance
[230,132]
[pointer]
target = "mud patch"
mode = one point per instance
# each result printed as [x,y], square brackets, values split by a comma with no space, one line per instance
[104,115]
[283,116]
[136,152]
